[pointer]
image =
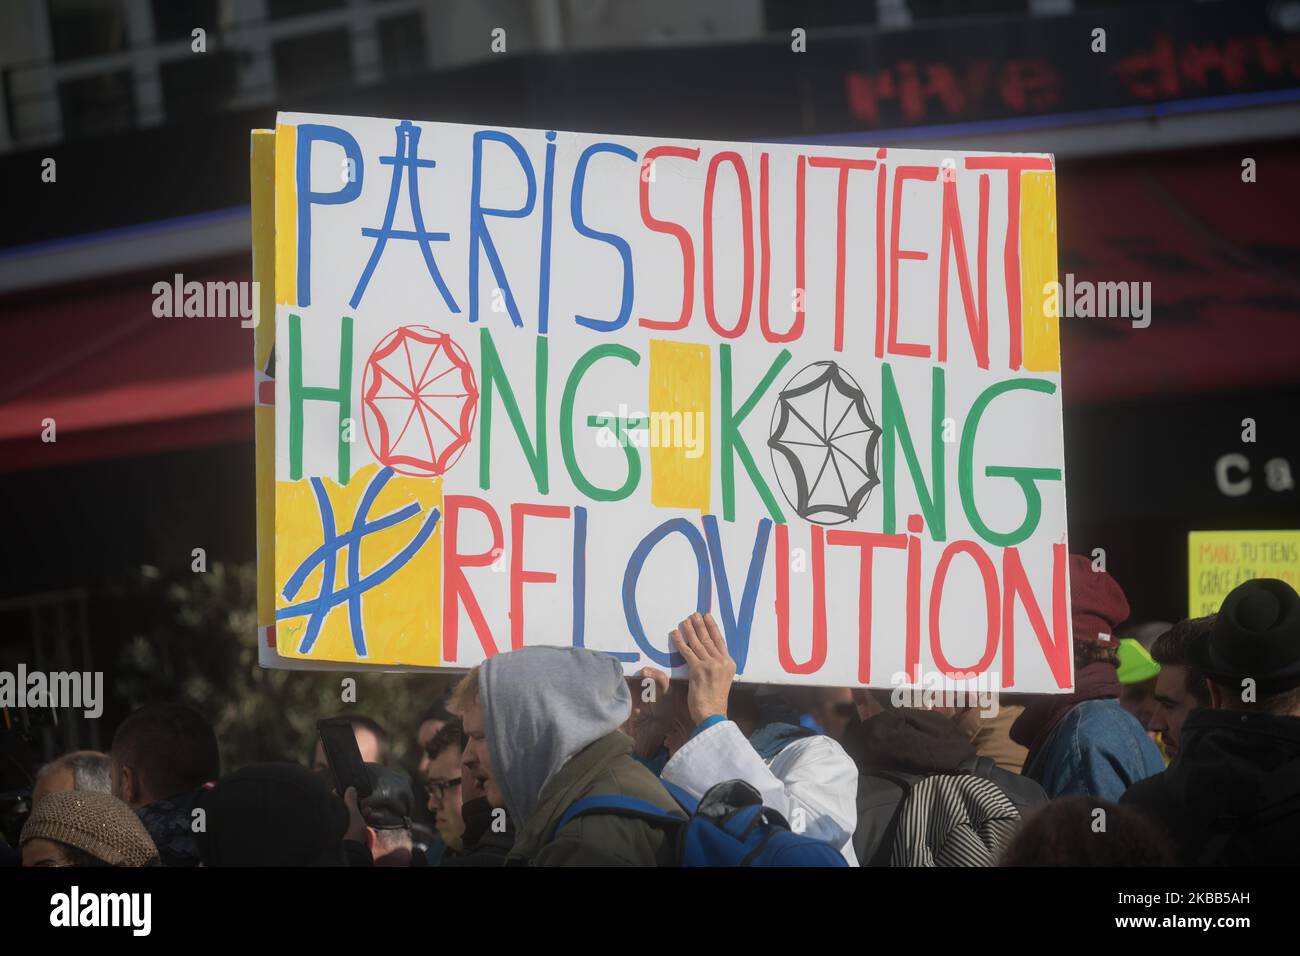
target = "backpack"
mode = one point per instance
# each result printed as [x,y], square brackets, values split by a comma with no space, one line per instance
[964,818]
[728,826]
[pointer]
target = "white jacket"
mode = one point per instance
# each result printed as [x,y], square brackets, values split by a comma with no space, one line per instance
[812,775]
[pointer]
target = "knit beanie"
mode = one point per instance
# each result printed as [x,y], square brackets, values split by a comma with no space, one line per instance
[95,823]
[1097,603]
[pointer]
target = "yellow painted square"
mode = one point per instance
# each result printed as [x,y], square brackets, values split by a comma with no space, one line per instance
[679,387]
[402,615]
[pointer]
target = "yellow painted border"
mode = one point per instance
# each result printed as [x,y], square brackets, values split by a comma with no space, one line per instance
[286,214]
[1040,325]
[262,173]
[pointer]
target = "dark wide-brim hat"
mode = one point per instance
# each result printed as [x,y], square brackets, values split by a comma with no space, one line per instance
[1256,634]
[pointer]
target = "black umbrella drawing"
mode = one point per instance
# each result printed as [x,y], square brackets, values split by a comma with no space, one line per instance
[824,444]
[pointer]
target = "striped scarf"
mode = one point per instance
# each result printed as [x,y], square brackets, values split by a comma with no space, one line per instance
[954,820]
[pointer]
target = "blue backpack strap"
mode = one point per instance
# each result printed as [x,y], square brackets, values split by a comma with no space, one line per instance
[620,805]
[683,798]
[654,764]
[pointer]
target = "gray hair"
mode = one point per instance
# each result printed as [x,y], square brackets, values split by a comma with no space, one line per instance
[90,770]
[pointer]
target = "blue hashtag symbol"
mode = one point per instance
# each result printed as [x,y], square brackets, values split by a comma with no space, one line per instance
[317,609]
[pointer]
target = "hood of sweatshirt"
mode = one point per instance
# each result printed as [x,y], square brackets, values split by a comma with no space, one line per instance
[541,705]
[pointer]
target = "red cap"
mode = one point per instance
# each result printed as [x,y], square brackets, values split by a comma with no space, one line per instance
[1097,603]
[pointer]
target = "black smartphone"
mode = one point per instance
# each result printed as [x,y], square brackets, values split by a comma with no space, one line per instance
[344,756]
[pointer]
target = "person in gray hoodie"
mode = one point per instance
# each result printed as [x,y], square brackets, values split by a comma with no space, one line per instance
[542,723]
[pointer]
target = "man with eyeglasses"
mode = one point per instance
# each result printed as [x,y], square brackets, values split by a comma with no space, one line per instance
[472,831]
[442,778]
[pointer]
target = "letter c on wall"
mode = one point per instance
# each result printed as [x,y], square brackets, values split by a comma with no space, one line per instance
[1233,488]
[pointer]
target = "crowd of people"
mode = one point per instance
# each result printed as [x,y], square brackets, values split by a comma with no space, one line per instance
[1178,746]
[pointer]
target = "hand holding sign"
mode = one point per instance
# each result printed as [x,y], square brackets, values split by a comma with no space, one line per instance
[711,669]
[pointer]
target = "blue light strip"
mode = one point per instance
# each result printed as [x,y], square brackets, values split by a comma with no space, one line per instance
[136,230]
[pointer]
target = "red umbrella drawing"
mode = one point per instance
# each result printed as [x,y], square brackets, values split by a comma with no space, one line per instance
[419,398]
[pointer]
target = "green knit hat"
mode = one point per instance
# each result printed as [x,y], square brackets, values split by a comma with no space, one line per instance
[95,823]
[1135,662]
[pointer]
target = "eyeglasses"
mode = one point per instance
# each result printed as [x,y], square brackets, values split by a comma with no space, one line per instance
[439,788]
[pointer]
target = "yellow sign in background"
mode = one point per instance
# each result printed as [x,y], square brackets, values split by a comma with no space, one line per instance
[1217,561]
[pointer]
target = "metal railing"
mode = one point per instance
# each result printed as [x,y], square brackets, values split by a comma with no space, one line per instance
[58,640]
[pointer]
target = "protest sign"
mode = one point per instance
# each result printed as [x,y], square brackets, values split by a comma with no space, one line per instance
[536,387]
[1217,561]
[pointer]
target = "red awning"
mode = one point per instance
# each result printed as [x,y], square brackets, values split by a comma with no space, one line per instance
[1220,255]
[117,380]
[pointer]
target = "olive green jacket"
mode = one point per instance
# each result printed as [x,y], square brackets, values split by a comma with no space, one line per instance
[605,766]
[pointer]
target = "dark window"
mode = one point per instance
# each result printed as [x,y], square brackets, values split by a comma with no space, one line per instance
[946,9]
[279,9]
[176,21]
[401,45]
[198,83]
[315,62]
[85,28]
[97,104]
[784,15]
